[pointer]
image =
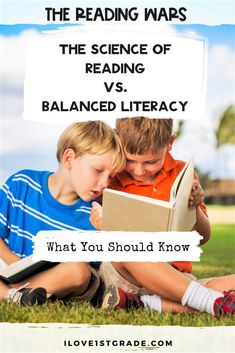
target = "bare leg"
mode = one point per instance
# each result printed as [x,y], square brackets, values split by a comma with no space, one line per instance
[222,283]
[70,278]
[3,290]
[163,280]
[159,278]
[173,307]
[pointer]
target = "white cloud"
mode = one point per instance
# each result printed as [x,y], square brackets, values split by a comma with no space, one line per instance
[199,139]
[222,59]
[221,77]
[14,49]
[26,144]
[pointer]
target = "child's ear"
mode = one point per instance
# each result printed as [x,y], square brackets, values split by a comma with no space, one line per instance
[68,156]
[170,144]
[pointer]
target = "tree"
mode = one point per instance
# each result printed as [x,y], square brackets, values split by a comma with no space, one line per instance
[225,132]
[180,128]
[203,177]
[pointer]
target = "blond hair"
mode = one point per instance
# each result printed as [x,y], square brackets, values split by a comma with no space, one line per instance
[141,135]
[93,137]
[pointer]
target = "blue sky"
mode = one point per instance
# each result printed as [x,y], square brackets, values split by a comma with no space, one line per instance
[218,34]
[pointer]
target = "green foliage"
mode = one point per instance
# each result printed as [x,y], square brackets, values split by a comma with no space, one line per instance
[225,133]
[217,259]
[204,178]
[180,128]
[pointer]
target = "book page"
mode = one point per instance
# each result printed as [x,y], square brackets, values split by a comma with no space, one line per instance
[17,266]
[3,265]
[184,217]
[176,184]
[123,212]
[140,198]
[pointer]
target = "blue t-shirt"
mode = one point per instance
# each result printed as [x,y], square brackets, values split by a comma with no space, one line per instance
[27,207]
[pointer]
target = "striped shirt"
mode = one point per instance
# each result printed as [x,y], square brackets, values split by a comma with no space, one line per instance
[27,207]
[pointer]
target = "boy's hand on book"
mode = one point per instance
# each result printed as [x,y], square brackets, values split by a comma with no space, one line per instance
[197,195]
[96,215]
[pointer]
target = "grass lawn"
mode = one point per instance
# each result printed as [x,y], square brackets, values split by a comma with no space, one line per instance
[218,258]
[221,207]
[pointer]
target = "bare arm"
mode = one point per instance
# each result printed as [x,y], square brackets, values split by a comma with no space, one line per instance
[202,225]
[6,254]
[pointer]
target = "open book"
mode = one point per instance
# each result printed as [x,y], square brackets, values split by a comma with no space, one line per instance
[127,212]
[23,268]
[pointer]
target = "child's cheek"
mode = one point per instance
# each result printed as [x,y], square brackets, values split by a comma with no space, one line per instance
[154,169]
[129,167]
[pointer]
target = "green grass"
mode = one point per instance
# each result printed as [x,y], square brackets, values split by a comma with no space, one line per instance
[218,254]
[217,259]
[86,314]
[221,207]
